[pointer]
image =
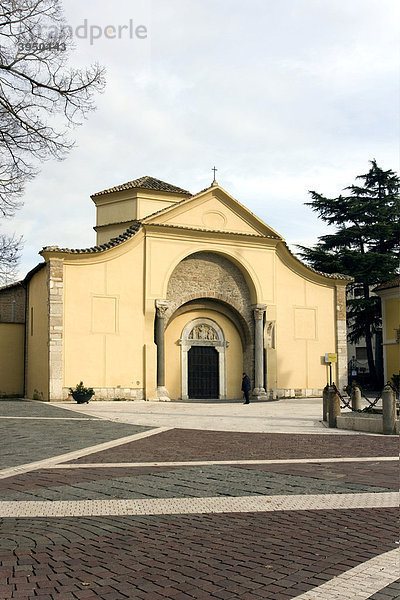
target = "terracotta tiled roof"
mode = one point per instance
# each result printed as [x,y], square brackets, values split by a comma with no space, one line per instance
[26,279]
[329,275]
[206,230]
[147,183]
[393,283]
[128,233]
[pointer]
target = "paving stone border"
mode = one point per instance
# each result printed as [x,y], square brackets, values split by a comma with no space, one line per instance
[361,581]
[54,460]
[182,506]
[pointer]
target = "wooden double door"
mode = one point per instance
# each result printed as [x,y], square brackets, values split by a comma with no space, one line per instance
[203,372]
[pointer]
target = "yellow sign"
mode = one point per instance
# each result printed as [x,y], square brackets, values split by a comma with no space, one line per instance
[330,357]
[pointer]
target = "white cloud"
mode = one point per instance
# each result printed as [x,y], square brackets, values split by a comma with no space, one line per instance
[282,97]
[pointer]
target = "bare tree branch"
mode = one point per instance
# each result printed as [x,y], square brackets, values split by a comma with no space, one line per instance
[41,97]
[10,252]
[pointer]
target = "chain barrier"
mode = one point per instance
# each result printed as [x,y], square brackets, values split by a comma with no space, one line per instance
[346,400]
[345,403]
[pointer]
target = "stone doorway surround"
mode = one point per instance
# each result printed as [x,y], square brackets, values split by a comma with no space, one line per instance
[203,332]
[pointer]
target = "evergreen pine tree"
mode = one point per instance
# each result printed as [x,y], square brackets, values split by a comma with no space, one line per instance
[365,245]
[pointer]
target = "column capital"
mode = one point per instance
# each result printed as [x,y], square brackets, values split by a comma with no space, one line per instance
[161,308]
[259,310]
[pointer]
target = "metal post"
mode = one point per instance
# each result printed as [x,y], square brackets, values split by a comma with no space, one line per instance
[333,406]
[355,398]
[325,403]
[389,410]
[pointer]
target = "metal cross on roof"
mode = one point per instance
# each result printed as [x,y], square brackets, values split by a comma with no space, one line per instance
[214,180]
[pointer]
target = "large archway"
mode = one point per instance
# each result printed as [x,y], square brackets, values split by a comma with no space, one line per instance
[206,285]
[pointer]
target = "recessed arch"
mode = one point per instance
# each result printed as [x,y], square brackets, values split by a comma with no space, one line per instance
[219,305]
[234,257]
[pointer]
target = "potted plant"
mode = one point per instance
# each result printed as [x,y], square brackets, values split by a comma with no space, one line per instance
[81,394]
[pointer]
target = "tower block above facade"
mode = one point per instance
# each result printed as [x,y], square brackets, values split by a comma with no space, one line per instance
[118,207]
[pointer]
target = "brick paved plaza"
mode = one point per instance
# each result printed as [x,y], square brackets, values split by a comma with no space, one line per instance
[92,508]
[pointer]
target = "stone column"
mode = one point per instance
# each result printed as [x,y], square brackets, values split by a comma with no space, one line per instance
[258,311]
[161,309]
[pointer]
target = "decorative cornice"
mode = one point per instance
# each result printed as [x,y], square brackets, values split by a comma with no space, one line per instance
[205,230]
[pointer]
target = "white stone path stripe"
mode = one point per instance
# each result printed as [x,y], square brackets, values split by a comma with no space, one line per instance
[54,460]
[183,506]
[203,463]
[54,418]
[360,582]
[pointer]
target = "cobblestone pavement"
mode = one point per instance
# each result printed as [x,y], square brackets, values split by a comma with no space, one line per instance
[186,444]
[198,553]
[40,438]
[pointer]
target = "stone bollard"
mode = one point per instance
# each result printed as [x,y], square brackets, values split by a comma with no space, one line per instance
[333,406]
[325,403]
[355,398]
[388,410]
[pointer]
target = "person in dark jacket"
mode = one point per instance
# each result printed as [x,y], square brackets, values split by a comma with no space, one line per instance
[246,388]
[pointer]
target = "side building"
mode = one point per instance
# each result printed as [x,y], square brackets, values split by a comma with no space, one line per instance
[389,293]
[181,295]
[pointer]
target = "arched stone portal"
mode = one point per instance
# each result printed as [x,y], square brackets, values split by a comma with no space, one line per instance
[206,334]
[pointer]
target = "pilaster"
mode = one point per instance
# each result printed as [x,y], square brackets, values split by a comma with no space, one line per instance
[55,287]
[341,336]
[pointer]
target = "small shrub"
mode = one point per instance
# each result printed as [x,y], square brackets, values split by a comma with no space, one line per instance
[81,390]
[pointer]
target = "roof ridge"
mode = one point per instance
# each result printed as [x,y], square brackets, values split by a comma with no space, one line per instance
[146,182]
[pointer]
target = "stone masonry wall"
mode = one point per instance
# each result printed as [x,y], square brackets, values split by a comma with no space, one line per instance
[55,294]
[111,393]
[8,296]
[211,275]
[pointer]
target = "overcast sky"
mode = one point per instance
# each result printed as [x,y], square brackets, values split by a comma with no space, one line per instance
[282,96]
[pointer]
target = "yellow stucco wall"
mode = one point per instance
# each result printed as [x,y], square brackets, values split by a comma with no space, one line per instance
[233,356]
[103,319]
[391,348]
[392,316]
[109,315]
[393,360]
[37,375]
[210,214]
[305,330]
[109,305]
[12,359]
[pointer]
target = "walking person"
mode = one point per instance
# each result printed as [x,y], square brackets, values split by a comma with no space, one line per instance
[246,388]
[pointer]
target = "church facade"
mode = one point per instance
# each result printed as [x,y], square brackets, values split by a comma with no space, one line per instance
[181,294]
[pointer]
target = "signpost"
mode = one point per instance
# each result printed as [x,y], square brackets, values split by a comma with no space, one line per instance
[330,357]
